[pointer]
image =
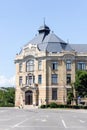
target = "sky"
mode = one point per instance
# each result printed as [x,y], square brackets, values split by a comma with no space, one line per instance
[20,20]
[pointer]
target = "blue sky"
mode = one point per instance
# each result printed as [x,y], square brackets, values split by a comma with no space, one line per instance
[20,20]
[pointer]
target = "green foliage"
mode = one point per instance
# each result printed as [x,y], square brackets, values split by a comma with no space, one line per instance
[61,106]
[53,105]
[70,97]
[81,83]
[43,106]
[7,96]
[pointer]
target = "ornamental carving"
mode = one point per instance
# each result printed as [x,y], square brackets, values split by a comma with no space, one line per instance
[69,57]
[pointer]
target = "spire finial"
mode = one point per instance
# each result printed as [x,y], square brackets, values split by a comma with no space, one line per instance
[44,21]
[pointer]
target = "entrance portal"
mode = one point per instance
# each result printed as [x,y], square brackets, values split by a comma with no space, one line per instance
[28,98]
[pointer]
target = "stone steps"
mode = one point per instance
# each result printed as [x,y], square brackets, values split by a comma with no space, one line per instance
[30,107]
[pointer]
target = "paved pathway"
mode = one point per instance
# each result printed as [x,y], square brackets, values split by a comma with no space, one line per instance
[38,119]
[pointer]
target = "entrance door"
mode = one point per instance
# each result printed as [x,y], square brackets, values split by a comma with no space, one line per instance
[28,98]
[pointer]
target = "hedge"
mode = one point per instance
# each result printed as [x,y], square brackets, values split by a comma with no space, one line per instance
[54,105]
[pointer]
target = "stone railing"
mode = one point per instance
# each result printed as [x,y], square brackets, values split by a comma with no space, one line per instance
[29,86]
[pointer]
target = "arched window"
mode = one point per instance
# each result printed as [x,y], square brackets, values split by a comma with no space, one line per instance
[30,65]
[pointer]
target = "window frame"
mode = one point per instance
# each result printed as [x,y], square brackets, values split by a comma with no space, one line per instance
[68,81]
[54,93]
[54,65]
[68,64]
[40,65]
[20,67]
[54,78]
[81,66]
[20,80]
[39,79]
[30,80]
[30,66]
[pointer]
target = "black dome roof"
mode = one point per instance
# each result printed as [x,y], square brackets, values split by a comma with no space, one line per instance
[44,29]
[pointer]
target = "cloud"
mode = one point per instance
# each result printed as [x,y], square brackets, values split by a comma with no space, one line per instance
[7,82]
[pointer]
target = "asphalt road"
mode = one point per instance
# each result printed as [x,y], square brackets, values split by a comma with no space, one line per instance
[38,119]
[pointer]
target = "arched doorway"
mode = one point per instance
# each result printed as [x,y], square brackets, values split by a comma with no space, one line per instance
[28,97]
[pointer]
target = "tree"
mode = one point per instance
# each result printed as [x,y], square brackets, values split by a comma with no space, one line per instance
[81,83]
[10,95]
[70,94]
[7,96]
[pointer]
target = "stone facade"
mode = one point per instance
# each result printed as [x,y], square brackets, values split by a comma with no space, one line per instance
[43,76]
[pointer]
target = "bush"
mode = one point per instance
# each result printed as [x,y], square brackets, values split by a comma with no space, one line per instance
[53,105]
[47,106]
[6,105]
[84,107]
[43,106]
[76,107]
[61,106]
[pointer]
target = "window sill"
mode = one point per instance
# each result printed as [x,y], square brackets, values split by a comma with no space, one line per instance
[68,84]
[68,69]
[30,71]
[55,70]
[54,99]
[54,84]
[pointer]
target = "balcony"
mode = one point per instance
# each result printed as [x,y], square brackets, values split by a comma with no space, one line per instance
[29,86]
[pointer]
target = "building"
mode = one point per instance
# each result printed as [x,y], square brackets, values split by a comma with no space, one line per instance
[46,67]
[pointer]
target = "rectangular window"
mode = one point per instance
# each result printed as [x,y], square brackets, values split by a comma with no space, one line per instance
[54,93]
[68,78]
[30,80]
[81,66]
[39,65]
[68,65]
[20,67]
[55,65]
[20,80]
[54,78]
[39,79]
[33,79]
